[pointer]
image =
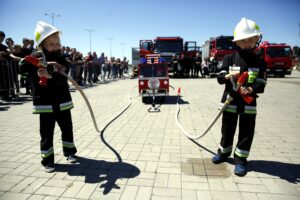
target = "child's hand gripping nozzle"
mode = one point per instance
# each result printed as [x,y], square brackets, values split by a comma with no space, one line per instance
[38,59]
[238,81]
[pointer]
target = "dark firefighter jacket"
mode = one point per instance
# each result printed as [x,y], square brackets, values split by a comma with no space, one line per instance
[244,62]
[55,96]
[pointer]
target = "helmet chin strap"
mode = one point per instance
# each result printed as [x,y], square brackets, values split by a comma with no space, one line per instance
[258,41]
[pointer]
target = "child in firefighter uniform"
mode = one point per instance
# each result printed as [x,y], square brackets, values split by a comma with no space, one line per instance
[247,36]
[53,102]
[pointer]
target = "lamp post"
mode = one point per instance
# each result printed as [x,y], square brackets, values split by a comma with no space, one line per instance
[110,50]
[299,29]
[123,43]
[90,32]
[52,15]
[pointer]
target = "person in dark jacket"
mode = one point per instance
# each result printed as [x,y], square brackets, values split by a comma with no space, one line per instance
[53,102]
[197,66]
[247,36]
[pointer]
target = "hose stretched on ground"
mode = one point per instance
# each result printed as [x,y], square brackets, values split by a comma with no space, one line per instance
[90,107]
[194,137]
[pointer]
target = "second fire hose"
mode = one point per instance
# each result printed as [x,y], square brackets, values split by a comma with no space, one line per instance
[194,137]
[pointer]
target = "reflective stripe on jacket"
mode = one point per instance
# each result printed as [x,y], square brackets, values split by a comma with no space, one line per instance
[233,109]
[37,109]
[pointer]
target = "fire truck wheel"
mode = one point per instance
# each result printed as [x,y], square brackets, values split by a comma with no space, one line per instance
[161,99]
[282,75]
[146,100]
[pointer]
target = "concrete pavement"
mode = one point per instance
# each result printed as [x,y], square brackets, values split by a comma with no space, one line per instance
[144,155]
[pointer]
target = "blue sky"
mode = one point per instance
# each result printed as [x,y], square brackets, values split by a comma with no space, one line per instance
[128,21]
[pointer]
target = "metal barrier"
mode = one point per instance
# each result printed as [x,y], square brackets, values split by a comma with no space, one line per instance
[9,81]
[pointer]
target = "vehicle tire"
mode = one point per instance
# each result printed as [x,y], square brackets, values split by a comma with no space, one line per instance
[144,99]
[282,75]
[160,99]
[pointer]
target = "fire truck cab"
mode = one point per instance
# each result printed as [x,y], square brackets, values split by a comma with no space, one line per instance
[278,58]
[166,47]
[215,49]
[153,78]
[146,47]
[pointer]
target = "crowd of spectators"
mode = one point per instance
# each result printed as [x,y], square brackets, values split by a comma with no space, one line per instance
[84,69]
[189,66]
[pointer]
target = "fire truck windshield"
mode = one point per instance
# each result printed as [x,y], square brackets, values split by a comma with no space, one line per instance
[168,46]
[279,52]
[226,44]
[159,70]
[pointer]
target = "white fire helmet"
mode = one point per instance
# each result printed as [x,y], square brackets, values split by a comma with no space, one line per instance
[246,28]
[43,30]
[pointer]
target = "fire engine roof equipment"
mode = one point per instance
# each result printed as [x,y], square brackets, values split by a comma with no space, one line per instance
[246,28]
[43,30]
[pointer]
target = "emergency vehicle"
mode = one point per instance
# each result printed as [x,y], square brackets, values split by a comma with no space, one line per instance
[278,58]
[166,47]
[217,48]
[296,57]
[153,78]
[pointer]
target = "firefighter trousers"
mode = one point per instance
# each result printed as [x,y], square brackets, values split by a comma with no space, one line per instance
[245,137]
[47,125]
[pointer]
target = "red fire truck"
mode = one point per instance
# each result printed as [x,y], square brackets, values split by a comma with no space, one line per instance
[166,47]
[153,78]
[278,58]
[296,57]
[217,48]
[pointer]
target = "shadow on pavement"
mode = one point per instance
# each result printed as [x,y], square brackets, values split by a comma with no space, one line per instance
[287,171]
[3,108]
[97,171]
[166,100]
[5,105]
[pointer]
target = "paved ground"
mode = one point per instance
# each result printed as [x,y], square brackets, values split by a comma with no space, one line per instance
[143,155]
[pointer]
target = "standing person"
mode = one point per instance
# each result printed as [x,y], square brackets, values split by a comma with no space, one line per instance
[247,36]
[31,46]
[118,67]
[114,68]
[96,67]
[197,66]
[181,66]
[101,60]
[188,65]
[109,68]
[89,69]
[104,68]
[212,66]
[4,56]
[25,77]
[53,102]
[26,46]
[125,65]
[78,68]
[204,68]
[174,63]
[3,48]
